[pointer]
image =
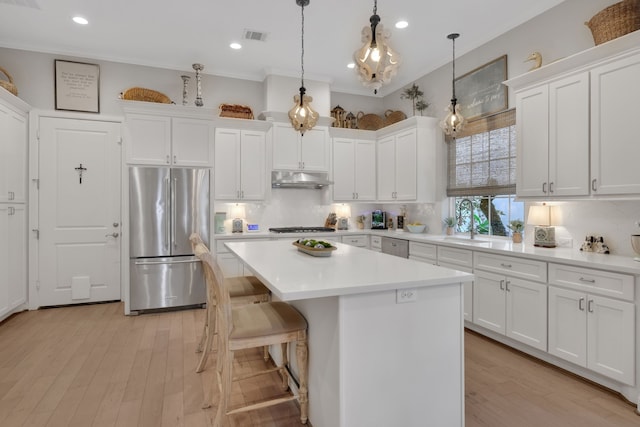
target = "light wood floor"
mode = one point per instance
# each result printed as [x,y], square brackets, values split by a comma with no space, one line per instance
[92,366]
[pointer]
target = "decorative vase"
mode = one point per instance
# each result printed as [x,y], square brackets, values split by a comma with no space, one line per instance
[360,225]
[449,231]
[517,237]
[198,68]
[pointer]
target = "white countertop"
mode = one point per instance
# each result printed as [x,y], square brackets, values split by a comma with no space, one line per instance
[293,275]
[616,263]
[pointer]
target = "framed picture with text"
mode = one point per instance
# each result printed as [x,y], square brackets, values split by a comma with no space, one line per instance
[77,86]
[481,92]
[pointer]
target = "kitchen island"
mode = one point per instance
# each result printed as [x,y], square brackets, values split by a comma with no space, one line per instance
[386,343]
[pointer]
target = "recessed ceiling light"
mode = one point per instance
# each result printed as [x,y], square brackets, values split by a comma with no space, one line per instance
[80,20]
[351,65]
[235,46]
[402,24]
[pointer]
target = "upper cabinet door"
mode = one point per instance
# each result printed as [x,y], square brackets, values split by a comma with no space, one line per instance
[343,169]
[365,170]
[192,142]
[614,132]
[314,150]
[13,156]
[569,136]
[148,139]
[387,168]
[252,165]
[286,147]
[227,164]
[532,127]
[406,172]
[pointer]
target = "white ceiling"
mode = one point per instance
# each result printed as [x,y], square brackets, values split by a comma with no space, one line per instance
[175,34]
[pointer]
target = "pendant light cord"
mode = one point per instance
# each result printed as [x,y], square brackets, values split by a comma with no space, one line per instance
[302,54]
[453,79]
[375,7]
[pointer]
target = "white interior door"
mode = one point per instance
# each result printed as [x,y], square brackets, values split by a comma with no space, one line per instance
[79,211]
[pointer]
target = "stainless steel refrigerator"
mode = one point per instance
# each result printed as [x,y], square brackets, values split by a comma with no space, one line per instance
[166,205]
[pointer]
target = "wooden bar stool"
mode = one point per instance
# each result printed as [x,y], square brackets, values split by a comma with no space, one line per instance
[251,326]
[242,290]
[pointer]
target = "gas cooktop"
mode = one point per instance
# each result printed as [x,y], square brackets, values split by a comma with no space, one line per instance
[300,229]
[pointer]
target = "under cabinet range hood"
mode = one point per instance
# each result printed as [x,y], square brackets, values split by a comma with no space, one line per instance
[285,179]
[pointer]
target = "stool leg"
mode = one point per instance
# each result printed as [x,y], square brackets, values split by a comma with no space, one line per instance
[225,383]
[285,362]
[302,353]
[210,330]
[204,331]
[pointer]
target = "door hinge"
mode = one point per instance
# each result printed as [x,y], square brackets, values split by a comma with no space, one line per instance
[37,231]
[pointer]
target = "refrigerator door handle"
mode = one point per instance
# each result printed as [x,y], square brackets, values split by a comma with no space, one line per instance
[173,212]
[167,224]
[188,261]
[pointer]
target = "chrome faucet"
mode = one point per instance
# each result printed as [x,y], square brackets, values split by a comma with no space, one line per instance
[473,231]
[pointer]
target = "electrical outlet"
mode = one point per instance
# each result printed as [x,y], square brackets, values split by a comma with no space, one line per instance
[565,242]
[406,295]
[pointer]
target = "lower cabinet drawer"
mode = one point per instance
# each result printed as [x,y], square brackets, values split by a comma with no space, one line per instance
[593,281]
[376,243]
[423,250]
[455,256]
[511,266]
[361,241]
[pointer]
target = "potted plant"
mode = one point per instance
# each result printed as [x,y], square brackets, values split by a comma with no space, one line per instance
[360,221]
[450,222]
[414,94]
[517,226]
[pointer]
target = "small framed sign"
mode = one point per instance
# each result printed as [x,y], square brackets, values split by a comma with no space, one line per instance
[77,86]
[481,92]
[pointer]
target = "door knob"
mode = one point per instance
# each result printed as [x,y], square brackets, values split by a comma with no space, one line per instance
[111,235]
[116,224]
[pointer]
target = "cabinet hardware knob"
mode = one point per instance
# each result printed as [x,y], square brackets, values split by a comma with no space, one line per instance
[590,306]
[593,185]
[111,235]
[168,161]
[502,285]
[505,265]
[551,187]
[506,285]
[582,279]
[544,187]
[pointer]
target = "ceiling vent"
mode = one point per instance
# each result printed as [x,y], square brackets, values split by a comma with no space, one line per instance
[24,3]
[255,35]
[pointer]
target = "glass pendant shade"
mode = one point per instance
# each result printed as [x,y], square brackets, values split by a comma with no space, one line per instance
[302,116]
[376,62]
[454,122]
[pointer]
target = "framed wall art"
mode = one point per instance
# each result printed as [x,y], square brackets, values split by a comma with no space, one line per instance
[77,86]
[481,92]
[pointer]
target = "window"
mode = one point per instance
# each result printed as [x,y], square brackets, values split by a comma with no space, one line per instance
[482,162]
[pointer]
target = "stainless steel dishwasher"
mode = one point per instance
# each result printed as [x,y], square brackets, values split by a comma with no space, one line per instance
[397,247]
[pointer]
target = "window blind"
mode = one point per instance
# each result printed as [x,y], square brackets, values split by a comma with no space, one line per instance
[482,158]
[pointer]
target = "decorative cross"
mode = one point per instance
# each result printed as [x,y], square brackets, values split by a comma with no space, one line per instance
[80,169]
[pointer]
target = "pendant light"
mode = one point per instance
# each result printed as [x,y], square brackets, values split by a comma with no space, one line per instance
[376,62]
[454,122]
[302,115]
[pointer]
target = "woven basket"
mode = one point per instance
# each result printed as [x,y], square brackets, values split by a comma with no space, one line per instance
[369,121]
[236,111]
[615,21]
[8,85]
[146,95]
[391,117]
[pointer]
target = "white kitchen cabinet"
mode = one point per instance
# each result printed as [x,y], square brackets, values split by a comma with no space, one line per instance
[397,165]
[552,125]
[511,306]
[292,151]
[594,332]
[468,290]
[164,140]
[510,297]
[13,257]
[354,169]
[614,135]
[13,150]
[406,160]
[239,164]
[376,243]
[425,252]
[230,265]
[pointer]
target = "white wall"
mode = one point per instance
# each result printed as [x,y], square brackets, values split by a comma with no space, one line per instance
[557,33]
